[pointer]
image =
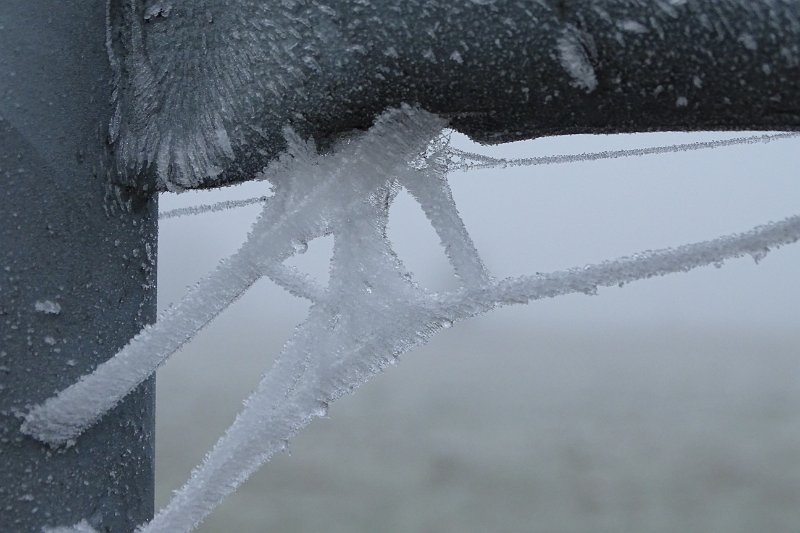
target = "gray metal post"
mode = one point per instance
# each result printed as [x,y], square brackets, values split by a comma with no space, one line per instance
[77,273]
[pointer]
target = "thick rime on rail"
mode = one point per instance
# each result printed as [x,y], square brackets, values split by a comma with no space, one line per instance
[372,310]
[203,87]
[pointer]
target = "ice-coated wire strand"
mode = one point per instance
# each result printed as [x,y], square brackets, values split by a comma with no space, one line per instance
[313,370]
[61,418]
[210,208]
[756,243]
[471,161]
[372,310]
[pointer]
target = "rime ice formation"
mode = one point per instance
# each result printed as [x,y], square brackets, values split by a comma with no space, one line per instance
[372,310]
[461,160]
[307,187]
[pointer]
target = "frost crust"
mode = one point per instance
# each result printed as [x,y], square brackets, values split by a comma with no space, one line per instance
[372,310]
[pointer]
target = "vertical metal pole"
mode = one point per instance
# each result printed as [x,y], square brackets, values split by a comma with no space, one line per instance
[77,272]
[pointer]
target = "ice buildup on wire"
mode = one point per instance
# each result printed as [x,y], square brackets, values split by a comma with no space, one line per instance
[372,310]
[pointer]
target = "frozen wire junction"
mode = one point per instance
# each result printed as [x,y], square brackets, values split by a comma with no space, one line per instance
[372,310]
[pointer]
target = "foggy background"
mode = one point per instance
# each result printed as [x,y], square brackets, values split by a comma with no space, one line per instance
[668,405]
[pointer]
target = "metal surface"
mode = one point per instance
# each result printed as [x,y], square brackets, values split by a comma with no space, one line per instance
[77,272]
[498,70]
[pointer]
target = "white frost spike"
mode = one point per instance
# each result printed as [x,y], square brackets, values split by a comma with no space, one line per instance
[47,307]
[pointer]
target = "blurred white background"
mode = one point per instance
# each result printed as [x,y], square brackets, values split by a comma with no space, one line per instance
[667,405]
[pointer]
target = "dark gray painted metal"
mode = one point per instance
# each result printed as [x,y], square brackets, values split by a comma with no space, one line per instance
[659,65]
[66,237]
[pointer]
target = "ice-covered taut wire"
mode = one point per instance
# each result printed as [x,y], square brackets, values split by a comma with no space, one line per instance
[210,208]
[756,243]
[466,161]
[469,161]
[372,310]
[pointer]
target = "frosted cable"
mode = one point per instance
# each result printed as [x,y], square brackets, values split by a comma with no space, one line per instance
[210,208]
[61,418]
[757,243]
[372,310]
[295,282]
[486,162]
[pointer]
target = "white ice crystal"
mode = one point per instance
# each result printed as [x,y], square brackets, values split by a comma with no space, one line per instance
[213,208]
[574,51]
[372,310]
[47,307]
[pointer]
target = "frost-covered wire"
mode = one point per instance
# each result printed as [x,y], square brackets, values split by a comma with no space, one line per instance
[372,310]
[295,282]
[757,243]
[460,160]
[210,208]
[61,418]
[465,161]
[336,350]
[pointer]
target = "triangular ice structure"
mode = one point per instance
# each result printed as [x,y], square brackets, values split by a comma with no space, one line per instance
[372,310]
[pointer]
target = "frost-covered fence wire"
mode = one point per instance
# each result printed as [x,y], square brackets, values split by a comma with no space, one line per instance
[372,310]
[471,161]
[466,161]
[210,208]
[756,243]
